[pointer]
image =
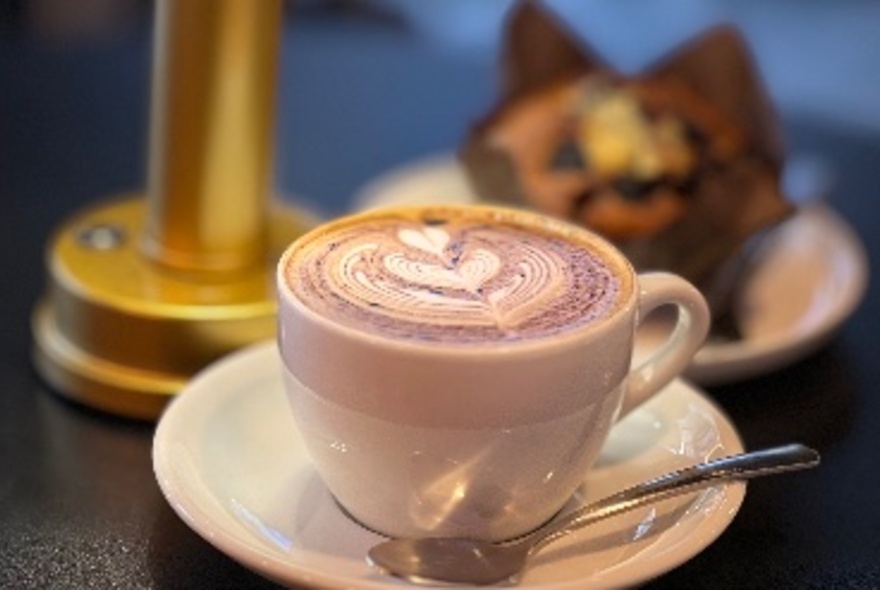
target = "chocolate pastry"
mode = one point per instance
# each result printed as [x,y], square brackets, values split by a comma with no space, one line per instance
[679,165]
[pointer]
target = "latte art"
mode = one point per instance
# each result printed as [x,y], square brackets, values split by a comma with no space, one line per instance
[450,286]
[451,280]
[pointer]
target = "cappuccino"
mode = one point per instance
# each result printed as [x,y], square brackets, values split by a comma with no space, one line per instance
[455,275]
[426,349]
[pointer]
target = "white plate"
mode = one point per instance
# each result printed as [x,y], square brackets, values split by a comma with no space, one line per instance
[810,276]
[229,460]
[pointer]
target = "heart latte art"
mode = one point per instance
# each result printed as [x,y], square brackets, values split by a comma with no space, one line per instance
[450,279]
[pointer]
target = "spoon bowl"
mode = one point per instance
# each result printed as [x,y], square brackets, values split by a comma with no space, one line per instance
[470,561]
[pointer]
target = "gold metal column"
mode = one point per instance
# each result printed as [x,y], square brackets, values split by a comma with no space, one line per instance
[144,292]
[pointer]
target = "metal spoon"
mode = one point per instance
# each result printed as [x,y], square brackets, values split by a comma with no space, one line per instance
[468,561]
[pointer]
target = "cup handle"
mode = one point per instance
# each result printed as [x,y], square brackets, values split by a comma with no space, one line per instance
[670,358]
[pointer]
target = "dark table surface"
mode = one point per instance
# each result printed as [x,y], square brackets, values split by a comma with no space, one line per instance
[79,506]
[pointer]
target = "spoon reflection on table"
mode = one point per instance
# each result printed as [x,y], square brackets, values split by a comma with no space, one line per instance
[469,561]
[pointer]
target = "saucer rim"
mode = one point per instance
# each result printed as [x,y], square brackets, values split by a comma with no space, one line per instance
[717,363]
[738,361]
[194,401]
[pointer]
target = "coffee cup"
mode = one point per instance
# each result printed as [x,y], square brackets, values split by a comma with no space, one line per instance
[455,370]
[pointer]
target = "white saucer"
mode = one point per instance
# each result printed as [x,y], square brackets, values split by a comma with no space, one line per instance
[810,277]
[229,460]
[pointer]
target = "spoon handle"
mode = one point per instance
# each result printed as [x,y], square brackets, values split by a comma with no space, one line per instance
[790,457]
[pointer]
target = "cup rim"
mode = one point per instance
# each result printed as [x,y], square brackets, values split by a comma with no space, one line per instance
[625,303]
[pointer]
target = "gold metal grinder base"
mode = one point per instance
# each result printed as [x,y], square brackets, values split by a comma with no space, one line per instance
[120,333]
[145,291]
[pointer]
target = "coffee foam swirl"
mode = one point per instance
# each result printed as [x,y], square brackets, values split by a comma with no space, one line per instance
[457,281]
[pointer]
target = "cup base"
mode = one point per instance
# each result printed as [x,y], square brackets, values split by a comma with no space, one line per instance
[515,538]
[345,512]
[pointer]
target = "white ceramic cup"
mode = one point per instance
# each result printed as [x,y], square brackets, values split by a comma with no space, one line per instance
[426,439]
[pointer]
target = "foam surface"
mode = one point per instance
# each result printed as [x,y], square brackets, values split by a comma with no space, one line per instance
[451,280]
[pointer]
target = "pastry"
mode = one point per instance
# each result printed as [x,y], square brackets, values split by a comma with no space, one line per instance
[678,165]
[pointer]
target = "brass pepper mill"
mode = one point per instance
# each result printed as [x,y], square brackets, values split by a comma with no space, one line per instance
[144,292]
